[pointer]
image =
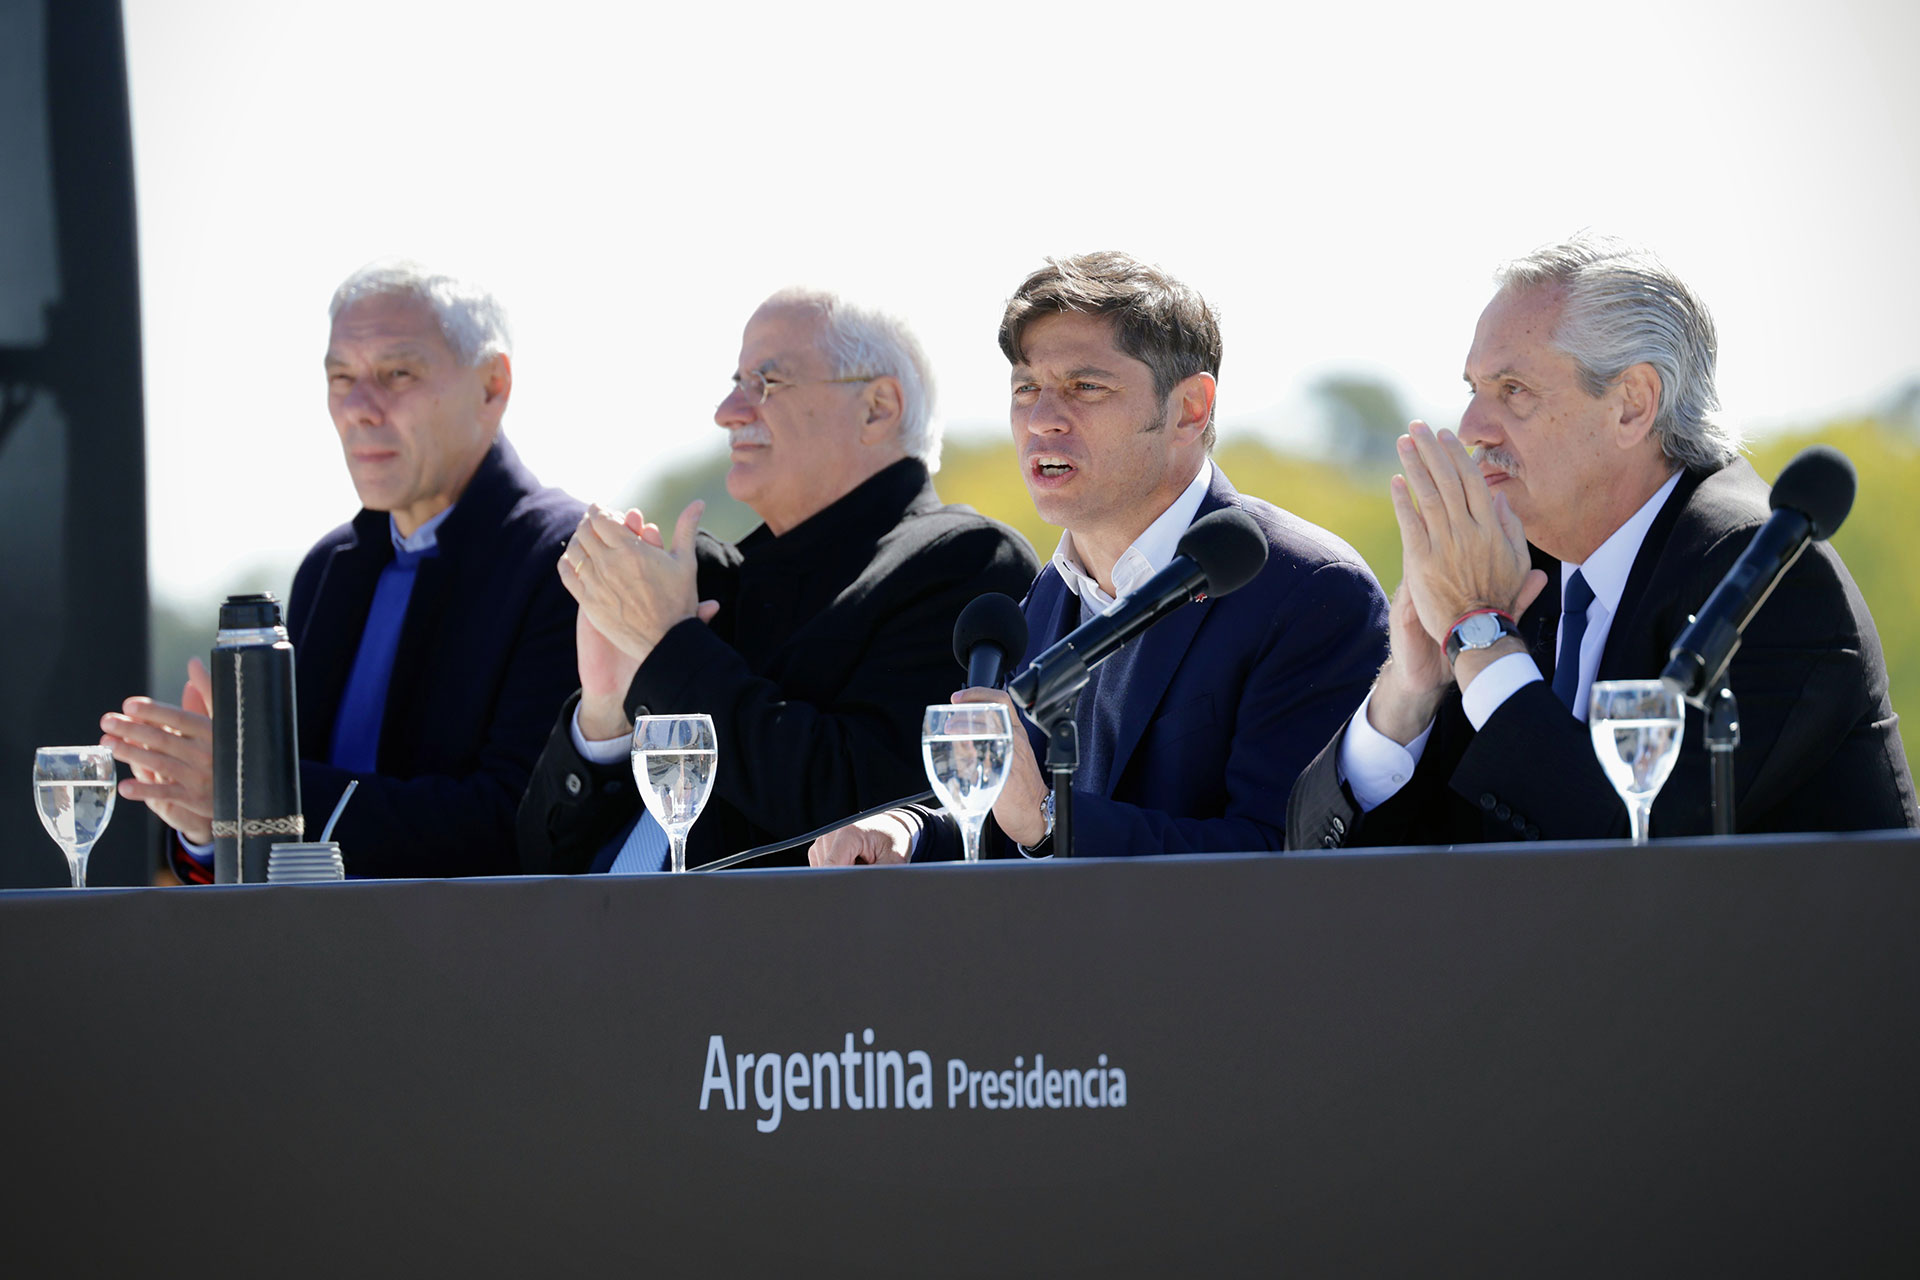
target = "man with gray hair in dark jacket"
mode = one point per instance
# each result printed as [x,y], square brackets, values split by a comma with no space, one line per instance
[1598,508]
[431,641]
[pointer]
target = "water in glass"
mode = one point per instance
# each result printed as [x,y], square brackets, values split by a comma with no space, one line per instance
[1636,727]
[73,790]
[966,748]
[674,762]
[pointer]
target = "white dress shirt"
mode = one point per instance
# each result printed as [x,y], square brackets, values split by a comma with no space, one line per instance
[1374,766]
[1151,552]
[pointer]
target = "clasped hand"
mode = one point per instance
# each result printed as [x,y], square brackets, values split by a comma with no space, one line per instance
[1462,548]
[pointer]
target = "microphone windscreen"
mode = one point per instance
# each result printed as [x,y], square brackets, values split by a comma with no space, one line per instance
[993,619]
[1229,548]
[1819,484]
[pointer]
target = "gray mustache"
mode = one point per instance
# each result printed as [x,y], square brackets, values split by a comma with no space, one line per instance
[1500,458]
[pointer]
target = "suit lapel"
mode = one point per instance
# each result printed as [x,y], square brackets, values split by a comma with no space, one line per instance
[1161,650]
[1052,611]
[1627,655]
[329,638]
[408,687]
[1540,624]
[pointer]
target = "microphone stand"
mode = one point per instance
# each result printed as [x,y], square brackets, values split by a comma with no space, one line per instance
[1055,707]
[1722,734]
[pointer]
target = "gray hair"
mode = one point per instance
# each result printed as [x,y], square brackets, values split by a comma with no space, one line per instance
[472,322]
[1625,307]
[862,342]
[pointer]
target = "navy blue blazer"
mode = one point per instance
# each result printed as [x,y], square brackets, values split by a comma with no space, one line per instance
[486,654]
[1222,703]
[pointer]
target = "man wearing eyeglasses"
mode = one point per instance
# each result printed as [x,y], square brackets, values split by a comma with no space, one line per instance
[815,643]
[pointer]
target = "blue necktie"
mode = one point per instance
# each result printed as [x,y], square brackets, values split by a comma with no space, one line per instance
[1574,599]
[363,704]
[645,848]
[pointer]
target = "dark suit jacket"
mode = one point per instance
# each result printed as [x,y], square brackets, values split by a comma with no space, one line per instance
[1224,701]
[830,642]
[485,655]
[1819,748]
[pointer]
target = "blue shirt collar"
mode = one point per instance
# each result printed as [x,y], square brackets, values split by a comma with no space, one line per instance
[422,540]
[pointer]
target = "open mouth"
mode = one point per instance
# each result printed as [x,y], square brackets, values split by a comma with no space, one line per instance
[1049,466]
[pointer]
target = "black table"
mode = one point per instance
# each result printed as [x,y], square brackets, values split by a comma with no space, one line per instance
[1576,1059]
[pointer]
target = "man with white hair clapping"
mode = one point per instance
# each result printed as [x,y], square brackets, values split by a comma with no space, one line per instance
[815,643]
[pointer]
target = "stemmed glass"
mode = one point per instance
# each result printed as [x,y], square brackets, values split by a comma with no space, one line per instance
[73,789]
[967,748]
[1636,726]
[674,759]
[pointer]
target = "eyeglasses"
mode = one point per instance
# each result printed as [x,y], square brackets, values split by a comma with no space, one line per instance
[758,386]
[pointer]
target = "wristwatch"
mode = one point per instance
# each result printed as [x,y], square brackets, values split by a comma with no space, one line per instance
[1481,629]
[1046,813]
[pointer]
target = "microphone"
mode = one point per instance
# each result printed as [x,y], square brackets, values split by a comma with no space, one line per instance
[1810,500]
[1220,552]
[990,635]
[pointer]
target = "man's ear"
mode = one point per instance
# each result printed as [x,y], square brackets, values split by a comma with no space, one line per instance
[1192,404]
[1639,404]
[882,406]
[497,384]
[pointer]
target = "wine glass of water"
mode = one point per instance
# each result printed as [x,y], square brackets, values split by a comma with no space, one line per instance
[1636,727]
[73,789]
[674,759]
[967,748]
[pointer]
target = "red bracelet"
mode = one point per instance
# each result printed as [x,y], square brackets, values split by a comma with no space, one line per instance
[1474,613]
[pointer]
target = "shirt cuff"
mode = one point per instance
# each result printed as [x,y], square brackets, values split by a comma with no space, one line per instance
[1497,681]
[603,751]
[200,853]
[1373,765]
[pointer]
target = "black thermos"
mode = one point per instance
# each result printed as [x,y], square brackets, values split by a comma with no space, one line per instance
[256,756]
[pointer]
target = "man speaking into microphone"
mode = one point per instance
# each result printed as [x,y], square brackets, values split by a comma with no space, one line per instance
[1191,732]
[1599,509]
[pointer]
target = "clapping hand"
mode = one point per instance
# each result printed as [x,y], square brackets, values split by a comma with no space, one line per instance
[631,590]
[170,750]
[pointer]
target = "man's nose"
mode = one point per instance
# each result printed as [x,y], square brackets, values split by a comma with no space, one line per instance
[1045,416]
[737,410]
[361,405]
[1478,425]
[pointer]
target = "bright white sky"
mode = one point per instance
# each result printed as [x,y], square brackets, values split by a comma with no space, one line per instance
[1339,181]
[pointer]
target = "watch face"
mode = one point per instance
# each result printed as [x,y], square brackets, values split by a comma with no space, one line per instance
[1479,631]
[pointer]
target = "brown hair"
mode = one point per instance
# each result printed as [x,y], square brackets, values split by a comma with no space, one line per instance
[1156,319]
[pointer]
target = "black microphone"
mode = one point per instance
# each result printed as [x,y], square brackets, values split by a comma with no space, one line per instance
[1220,552]
[1810,500]
[990,635]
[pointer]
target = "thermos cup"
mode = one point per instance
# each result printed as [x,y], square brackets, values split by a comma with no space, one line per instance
[256,756]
